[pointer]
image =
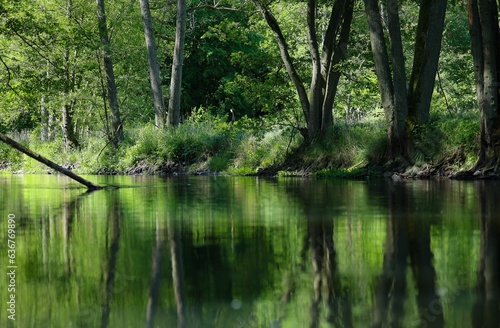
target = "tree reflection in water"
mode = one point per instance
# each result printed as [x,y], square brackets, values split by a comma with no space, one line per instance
[408,236]
[486,311]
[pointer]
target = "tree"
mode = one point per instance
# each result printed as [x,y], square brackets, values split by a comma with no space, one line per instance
[117,127]
[174,103]
[485,43]
[317,105]
[154,66]
[396,99]
[425,60]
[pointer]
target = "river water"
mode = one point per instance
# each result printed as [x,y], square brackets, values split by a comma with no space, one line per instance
[249,252]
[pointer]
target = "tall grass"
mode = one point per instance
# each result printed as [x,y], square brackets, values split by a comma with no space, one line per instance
[212,146]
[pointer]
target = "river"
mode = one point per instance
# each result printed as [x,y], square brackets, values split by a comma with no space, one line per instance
[248,252]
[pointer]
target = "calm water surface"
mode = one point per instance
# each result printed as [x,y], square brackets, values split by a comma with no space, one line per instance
[251,252]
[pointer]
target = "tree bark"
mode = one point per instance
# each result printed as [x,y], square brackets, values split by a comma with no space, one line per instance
[397,137]
[48,162]
[485,42]
[154,66]
[117,127]
[69,136]
[331,74]
[425,60]
[317,81]
[396,99]
[174,104]
[382,68]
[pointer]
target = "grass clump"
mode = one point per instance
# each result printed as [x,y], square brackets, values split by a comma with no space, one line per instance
[341,147]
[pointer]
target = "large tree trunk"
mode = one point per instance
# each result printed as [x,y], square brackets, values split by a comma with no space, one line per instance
[425,59]
[397,136]
[117,127]
[395,98]
[154,66]
[317,81]
[174,103]
[485,41]
[382,69]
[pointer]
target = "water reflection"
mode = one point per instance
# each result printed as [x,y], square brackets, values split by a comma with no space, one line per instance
[313,198]
[486,310]
[112,247]
[229,252]
[408,241]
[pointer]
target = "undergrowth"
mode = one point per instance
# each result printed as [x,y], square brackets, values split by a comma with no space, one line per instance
[212,146]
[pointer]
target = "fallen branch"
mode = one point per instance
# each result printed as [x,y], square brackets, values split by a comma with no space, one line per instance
[49,163]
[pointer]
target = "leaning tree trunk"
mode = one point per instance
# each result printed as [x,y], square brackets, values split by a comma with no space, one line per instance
[286,57]
[154,66]
[174,103]
[48,162]
[117,127]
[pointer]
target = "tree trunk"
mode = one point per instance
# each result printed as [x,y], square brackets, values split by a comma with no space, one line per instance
[117,127]
[331,74]
[485,41]
[69,137]
[396,100]
[48,162]
[174,103]
[397,137]
[44,120]
[425,59]
[285,57]
[154,66]
[318,105]
[317,81]
[382,68]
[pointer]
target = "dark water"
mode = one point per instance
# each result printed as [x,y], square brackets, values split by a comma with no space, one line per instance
[249,252]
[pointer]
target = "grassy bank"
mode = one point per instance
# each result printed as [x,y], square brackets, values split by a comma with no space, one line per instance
[446,145]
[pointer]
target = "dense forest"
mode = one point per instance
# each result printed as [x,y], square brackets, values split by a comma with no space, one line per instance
[337,87]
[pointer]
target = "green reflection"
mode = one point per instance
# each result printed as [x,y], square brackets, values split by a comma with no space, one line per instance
[249,252]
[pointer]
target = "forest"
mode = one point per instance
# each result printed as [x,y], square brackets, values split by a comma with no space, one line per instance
[287,87]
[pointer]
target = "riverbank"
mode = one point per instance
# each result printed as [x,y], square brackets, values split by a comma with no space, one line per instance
[443,148]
